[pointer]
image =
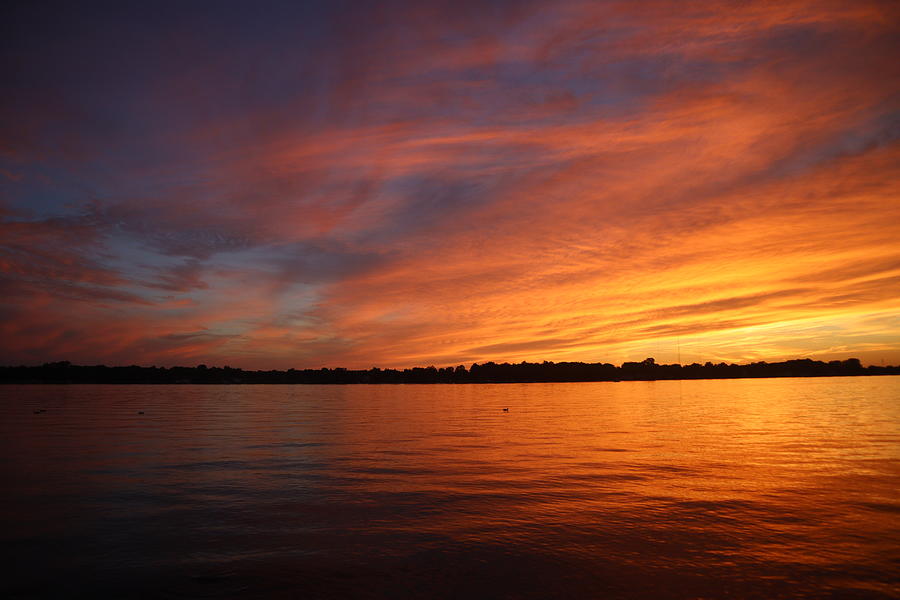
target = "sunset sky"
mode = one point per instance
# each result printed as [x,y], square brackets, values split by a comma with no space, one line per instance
[399,183]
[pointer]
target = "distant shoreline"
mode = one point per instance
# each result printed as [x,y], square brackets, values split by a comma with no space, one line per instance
[490,372]
[240,383]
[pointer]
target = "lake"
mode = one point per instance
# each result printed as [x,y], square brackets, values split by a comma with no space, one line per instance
[764,488]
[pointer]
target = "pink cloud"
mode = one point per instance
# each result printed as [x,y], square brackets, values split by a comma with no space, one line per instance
[579,183]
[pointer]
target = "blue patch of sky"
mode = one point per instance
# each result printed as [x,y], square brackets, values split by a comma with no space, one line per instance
[879,130]
[43,190]
[513,93]
[428,200]
[103,69]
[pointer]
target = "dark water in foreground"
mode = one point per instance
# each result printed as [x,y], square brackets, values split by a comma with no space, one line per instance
[703,489]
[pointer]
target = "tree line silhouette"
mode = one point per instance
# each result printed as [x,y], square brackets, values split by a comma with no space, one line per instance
[489,372]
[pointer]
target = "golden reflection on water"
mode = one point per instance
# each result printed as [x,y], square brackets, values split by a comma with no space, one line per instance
[713,483]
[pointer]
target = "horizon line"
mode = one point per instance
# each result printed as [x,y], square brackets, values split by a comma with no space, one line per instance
[646,362]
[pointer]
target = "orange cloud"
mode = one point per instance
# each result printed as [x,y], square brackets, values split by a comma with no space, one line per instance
[589,181]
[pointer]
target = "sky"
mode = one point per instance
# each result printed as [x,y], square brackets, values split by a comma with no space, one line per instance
[399,183]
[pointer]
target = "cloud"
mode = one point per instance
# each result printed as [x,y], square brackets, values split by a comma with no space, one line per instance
[416,183]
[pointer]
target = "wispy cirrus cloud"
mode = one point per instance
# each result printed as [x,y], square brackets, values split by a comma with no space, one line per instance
[451,182]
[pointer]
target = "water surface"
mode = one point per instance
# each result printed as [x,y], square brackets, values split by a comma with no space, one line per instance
[776,488]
